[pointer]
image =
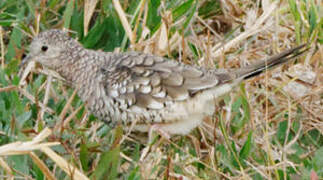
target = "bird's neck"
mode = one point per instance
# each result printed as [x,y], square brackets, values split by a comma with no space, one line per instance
[76,66]
[82,70]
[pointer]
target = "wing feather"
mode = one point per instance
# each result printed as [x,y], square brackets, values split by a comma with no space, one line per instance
[150,82]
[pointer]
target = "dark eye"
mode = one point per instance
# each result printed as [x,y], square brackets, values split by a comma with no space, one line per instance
[44,48]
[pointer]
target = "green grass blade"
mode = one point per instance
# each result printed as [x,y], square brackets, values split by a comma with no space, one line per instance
[68,14]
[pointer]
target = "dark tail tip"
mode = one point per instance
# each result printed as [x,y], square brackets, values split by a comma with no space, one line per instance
[285,56]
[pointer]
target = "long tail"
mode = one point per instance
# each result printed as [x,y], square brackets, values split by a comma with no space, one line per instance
[285,56]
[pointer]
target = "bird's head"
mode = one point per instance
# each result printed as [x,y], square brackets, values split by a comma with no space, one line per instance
[46,48]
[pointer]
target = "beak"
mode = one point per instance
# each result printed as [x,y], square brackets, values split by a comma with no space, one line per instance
[25,60]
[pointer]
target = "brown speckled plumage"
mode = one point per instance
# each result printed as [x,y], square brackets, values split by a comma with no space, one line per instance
[127,87]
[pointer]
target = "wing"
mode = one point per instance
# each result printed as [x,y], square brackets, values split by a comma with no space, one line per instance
[151,82]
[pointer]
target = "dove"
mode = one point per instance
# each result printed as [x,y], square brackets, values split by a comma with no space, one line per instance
[145,90]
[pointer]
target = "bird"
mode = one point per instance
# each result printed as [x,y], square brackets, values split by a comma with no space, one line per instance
[141,90]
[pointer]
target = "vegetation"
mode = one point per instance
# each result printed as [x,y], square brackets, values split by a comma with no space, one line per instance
[270,128]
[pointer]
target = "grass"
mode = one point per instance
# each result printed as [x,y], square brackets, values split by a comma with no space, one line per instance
[269,128]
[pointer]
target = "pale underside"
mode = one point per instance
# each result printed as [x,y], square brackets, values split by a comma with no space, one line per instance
[183,116]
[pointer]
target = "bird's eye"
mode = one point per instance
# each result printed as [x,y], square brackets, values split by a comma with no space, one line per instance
[44,48]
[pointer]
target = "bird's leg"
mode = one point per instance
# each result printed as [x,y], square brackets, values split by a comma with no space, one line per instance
[153,128]
[156,128]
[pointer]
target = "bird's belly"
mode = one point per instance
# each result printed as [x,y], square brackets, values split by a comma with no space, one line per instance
[182,117]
